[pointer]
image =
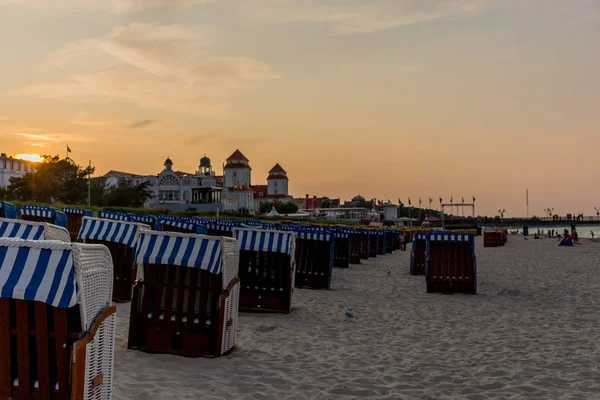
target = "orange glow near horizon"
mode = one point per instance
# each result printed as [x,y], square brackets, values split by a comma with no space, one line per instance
[30,157]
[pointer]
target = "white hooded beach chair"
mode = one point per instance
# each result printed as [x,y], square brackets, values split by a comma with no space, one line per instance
[56,320]
[30,230]
[185,301]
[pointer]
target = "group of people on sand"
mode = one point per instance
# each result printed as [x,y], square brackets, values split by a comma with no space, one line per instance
[571,238]
[567,237]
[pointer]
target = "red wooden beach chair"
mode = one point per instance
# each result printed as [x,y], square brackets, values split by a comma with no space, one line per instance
[75,220]
[451,265]
[355,242]
[365,245]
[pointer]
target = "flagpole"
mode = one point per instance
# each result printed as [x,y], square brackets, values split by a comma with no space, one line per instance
[527,200]
[89,171]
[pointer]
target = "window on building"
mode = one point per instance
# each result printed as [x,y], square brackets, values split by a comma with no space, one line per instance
[261,194]
[168,180]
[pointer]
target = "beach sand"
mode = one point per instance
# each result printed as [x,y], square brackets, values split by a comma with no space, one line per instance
[533,332]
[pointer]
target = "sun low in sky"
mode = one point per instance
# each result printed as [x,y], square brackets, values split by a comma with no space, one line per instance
[386,98]
[30,157]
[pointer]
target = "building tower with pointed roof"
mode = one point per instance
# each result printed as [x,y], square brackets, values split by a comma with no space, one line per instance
[277,181]
[237,171]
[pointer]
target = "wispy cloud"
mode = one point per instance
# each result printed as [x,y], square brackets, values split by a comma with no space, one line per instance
[162,67]
[109,6]
[141,124]
[49,138]
[37,145]
[45,138]
[361,16]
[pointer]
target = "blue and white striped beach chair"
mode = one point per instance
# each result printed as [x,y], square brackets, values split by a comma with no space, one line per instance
[186,298]
[56,321]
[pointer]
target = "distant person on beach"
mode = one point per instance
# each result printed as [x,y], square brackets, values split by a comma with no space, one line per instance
[592,232]
[566,233]
[402,243]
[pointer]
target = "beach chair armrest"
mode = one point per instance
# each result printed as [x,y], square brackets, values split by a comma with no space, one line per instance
[103,351]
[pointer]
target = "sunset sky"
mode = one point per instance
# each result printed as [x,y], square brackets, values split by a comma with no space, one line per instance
[386,98]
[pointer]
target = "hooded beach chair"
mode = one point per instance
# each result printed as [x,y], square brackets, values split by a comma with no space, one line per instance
[56,321]
[373,243]
[365,244]
[186,297]
[418,254]
[314,258]
[75,220]
[355,241]
[451,265]
[266,269]
[341,248]
[43,214]
[121,238]
[149,220]
[8,210]
[30,230]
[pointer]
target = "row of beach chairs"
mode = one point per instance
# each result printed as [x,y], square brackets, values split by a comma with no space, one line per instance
[184,300]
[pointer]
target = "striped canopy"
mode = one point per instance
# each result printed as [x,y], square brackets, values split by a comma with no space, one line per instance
[145,219]
[21,230]
[79,211]
[220,227]
[39,212]
[314,235]
[171,217]
[451,237]
[113,215]
[180,249]
[266,241]
[43,275]
[190,226]
[109,231]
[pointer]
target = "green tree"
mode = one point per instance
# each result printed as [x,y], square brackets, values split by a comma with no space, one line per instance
[54,180]
[281,207]
[126,194]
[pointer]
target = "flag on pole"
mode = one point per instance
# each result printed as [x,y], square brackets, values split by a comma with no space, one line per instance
[473,199]
[419,201]
[463,199]
[409,201]
[430,200]
[68,150]
[441,200]
[450,199]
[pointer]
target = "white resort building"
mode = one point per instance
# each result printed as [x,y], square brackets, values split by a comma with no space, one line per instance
[205,191]
[178,190]
[13,168]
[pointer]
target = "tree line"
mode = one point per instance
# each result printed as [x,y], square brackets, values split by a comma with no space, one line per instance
[64,181]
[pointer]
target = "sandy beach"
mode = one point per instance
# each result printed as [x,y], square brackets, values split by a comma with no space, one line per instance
[531,333]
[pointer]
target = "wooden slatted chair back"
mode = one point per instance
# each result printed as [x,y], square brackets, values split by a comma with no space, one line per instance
[185,295]
[451,263]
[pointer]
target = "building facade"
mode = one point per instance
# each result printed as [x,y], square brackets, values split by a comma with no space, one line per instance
[203,190]
[276,189]
[13,168]
[177,190]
